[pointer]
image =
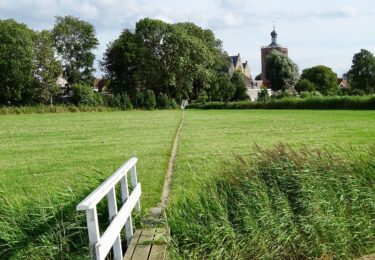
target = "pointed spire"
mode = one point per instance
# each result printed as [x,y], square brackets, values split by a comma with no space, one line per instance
[274,35]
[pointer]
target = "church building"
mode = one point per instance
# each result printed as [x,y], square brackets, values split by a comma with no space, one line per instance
[265,50]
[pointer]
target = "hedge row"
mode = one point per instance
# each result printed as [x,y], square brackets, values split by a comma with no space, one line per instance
[335,102]
[43,109]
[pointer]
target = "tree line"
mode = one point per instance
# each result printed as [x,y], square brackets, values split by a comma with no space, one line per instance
[157,64]
[284,79]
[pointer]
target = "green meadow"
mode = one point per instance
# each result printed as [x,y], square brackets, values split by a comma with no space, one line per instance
[44,154]
[210,138]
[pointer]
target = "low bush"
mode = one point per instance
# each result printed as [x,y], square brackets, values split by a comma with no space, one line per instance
[314,102]
[281,204]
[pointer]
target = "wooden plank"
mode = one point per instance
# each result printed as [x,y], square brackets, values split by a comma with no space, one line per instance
[158,252]
[94,198]
[141,252]
[133,243]
[110,235]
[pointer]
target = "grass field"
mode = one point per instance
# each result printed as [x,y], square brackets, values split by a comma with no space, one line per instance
[209,138]
[276,204]
[42,153]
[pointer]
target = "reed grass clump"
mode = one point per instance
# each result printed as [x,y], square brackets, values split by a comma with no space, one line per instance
[281,203]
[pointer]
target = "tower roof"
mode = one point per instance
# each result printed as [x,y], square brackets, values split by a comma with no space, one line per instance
[274,37]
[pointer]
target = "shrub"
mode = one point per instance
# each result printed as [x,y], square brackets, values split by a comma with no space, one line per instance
[163,101]
[173,104]
[149,100]
[125,102]
[263,95]
[83,95]
[139,99]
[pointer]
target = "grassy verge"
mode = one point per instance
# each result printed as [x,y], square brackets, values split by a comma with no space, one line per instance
[345,102]
[281,203]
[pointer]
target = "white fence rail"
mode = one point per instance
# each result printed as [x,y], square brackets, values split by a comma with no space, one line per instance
[111,238]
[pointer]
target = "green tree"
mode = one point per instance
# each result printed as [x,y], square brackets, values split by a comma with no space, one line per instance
[362,73]
[178,60]
[323,79]
[224,89]
[281,71]
[47,68]
[75,40]
[120,63]
[239,84]
[305,85]
[16,61]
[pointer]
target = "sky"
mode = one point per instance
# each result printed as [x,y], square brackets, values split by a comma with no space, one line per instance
[319,32]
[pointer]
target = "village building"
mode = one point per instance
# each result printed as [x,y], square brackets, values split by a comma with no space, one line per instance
[265,50]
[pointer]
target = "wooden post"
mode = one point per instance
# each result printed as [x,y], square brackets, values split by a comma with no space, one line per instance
[125,196]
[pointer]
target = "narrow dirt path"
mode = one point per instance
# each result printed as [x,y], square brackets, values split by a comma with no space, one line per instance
[168,176]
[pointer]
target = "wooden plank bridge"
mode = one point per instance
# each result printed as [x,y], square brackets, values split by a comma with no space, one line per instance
[149,243]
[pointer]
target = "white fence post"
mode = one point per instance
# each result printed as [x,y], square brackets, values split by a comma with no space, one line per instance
[125,196]
[112,209]
[133,172]
[93,229]
[100,245]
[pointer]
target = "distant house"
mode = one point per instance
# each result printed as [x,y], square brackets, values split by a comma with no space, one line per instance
[62,83]
[343,83]
[99,85]
[236,64]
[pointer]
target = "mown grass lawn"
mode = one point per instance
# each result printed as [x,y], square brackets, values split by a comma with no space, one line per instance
[43,153]
[209,138]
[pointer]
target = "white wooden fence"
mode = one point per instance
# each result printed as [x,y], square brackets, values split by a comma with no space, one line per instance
[100,245]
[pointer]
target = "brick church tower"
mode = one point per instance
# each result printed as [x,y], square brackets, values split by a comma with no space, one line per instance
[265,50]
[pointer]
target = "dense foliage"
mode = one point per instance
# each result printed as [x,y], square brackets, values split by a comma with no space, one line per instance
[181,61]
[75,40]
[282,72]
[362,73]
[16,62]
[319,78]
[281,204]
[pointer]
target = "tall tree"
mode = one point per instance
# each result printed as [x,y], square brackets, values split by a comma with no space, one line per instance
[179,60]
[323,79]
[75,40]
[362,73]
[16,61]
[281,71]
[47,68]
[239,84]
[120,63]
